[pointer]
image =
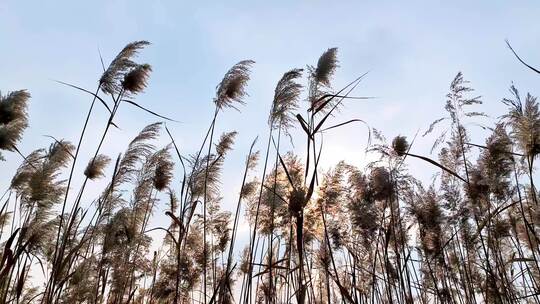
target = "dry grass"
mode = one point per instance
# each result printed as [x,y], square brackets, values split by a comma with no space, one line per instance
[347,235]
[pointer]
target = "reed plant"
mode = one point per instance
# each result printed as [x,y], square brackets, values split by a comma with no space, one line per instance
[342,234]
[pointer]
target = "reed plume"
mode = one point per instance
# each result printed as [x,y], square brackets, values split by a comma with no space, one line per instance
[96,166]
[525,122]
[13,106]
[326,66]
[13,119]
[320,77]
[163,173]
[135,81]
[225,143]
[111,79]
[232,88]
[285,101]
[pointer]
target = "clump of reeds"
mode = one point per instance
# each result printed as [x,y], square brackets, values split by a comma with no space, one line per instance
[348,234]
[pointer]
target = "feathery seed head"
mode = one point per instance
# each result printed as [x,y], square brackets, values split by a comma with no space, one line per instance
[13,118]
[11,133]
[478,187]
[525,122]
[233,86]
[59,153]
[249,189]
[26,169]
[163,172]
[110,80]
[380,183]
[400,145]
[285,101]
[320,78]
[95,167]
[253,160]
[297,201]
[135,81]
[13,106]
[497,163]
[326,66]
[225,142]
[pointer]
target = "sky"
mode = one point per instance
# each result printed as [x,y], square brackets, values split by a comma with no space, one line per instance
[412,52]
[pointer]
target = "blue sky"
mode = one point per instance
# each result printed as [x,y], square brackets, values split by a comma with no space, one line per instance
[412,51]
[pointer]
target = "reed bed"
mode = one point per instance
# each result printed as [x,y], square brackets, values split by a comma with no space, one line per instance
[343,235]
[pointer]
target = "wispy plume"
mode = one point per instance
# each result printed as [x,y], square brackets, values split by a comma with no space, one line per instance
[232,89]
[111,79]
[326,66]
[96,166]
[163,173]
[285,101]
[225,142]
[525,121]
[135,81]
[13,119]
